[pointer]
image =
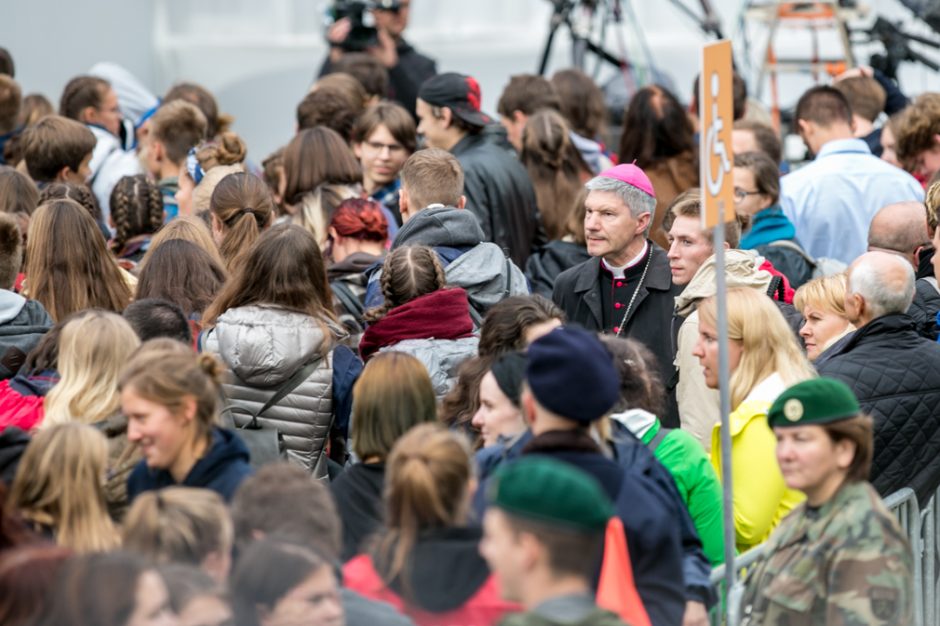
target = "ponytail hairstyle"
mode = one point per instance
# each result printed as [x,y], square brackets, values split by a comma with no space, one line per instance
[427,479]
[556,168]
[165,371]
[243,206]
[179,525]
[136,208]
[408,272]
[92,349]
[59,485]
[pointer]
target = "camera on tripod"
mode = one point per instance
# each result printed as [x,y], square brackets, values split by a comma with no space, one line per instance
[363,33]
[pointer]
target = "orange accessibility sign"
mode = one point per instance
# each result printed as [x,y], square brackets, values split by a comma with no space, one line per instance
[717,112]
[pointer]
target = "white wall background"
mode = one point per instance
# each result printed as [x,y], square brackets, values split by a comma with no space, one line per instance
[260,57]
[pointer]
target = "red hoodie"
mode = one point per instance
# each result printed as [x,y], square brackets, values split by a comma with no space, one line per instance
[441,314]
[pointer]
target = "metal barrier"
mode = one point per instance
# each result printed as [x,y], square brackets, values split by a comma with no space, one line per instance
[903,503]
[919,525]
[736,596]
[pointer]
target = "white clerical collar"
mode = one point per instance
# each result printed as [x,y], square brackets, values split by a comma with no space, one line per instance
[618,271]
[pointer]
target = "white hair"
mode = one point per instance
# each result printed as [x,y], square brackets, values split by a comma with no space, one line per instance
[638,201]
[869,279]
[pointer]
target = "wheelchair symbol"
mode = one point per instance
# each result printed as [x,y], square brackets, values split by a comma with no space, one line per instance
[714,146]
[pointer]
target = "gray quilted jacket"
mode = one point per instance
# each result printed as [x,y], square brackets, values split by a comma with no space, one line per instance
[263,346]
[442,358]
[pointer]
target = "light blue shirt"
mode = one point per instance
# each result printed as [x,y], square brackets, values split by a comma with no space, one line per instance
[832,200]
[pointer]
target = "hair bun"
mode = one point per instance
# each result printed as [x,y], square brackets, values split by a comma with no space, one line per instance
[212,367]
[231,149]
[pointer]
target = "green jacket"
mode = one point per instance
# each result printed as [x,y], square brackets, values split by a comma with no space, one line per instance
[695,477]
[847,562]
[598,617]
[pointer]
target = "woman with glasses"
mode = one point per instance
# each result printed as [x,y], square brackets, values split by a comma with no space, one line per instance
[771,234]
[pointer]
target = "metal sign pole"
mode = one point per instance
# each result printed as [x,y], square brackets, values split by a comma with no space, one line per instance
[715,160]
[724,393]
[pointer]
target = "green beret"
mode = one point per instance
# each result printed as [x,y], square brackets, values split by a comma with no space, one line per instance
[551,492]
[816,401]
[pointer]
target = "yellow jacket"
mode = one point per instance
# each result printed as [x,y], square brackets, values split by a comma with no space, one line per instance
[761,498]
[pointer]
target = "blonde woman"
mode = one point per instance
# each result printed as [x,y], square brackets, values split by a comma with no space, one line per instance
[188,228]
[93,348]
[821,302]
[182,525]
[764,359]
[57,488]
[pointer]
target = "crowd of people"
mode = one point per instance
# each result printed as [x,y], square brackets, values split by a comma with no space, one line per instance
[423,366]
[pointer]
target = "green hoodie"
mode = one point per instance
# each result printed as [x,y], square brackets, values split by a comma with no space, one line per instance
[693,473]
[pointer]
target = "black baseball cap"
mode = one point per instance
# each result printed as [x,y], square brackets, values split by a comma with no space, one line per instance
[459,93]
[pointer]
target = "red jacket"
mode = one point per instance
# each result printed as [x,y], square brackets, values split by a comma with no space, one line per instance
[484,608]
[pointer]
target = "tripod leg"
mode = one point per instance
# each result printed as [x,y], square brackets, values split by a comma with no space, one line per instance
[549,40]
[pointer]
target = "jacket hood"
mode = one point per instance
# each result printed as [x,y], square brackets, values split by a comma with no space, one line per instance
[742,268]
[355,263]
[440,226]
[227,449]
[637,421]
[264,346]
[10,305]
[487,275]
[445,569]
[134,98]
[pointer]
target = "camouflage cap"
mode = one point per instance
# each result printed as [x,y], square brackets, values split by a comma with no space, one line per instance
[816,401]
[552,492]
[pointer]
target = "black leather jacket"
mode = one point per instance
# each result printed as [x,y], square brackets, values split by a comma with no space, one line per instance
[500,194]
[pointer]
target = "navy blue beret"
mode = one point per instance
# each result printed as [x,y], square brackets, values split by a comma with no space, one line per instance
[572,374]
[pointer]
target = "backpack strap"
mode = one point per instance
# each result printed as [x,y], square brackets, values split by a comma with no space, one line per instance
[792,245]
[348,299]
[658,439]
[282,392]
[776,289]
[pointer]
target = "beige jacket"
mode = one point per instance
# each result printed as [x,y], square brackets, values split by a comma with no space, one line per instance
[698,405]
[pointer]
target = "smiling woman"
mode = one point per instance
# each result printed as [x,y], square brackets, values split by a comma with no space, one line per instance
[170,397]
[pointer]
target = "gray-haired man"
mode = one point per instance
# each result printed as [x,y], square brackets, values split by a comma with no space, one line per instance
[626,288]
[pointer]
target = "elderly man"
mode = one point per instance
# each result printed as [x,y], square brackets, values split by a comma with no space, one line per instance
[902,229]
[893,371]
[626,289]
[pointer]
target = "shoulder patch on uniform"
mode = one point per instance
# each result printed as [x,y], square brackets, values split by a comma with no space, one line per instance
[884,603]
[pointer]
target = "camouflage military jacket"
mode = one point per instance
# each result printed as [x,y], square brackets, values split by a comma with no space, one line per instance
[846,563]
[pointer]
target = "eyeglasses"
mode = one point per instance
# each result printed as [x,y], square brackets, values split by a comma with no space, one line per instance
[740,195]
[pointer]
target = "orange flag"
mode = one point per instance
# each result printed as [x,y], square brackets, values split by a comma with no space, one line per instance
[616,590]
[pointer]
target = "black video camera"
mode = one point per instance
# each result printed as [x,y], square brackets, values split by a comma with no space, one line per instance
[363,34]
